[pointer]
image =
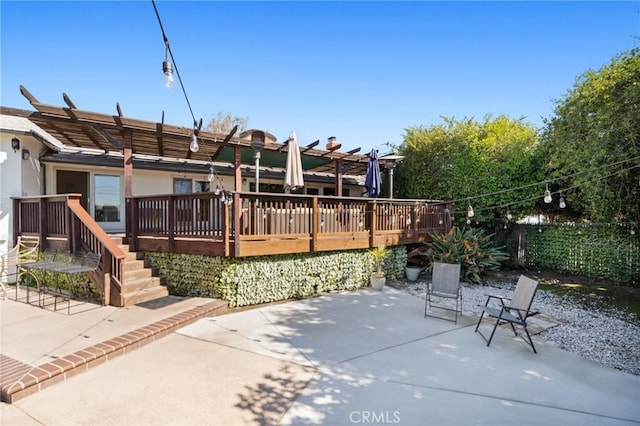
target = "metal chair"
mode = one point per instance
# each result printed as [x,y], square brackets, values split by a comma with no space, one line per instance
[513,311]
[445,284]
[11,262]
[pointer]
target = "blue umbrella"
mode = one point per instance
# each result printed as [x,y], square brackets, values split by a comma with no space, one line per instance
[373,180]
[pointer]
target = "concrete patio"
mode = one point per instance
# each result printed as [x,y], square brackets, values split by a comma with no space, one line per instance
[361,357]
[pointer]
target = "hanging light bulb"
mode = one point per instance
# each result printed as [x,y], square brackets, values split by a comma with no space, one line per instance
[470,212]
[218,189]
[547,195]
[194,147]
[509,215]
[468,221]
[562,204]
[167,69]
[211,176]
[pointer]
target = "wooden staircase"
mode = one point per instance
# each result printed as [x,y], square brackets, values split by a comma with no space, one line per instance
[142,282]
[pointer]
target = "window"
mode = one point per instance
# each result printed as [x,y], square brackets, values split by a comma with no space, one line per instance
[202,186]
[107,198]
[181,186]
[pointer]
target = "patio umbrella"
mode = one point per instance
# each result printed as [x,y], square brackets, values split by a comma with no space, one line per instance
[373,180]
[293,178]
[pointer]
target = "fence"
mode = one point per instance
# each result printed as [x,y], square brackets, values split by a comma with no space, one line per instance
[607,251]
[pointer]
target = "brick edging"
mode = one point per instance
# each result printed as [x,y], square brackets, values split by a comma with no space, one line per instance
[59,370]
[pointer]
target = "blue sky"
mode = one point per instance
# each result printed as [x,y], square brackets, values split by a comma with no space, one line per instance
[360,71]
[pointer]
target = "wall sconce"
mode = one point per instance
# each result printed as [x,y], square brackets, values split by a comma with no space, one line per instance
[15,144]
[25,154]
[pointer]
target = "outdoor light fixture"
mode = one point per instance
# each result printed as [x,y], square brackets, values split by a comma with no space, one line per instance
[167,69]
[470,212]
[193,146]
[563,204]
[25,154]
[15,144]
[509,215]
[212,175]
[547,195]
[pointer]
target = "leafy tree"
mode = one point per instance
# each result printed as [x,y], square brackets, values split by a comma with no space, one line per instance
[224,123]
[459,159]
[595,125]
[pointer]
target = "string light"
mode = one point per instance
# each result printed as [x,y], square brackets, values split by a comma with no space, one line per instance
[547,195]
[562,203]
[167,70]
[550,180]
[556,192]
[193,146]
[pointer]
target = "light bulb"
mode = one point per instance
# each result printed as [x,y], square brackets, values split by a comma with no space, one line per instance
[211,176]
[218,190]
[468,221]
[547,196]
[194,147]
[470,212]
[563,204]
[509,216]
[167,69]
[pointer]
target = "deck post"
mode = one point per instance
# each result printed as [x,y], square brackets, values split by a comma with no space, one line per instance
[225,229]
[315,224]
[373,217]
[172,224]
[237,212]
[44,231]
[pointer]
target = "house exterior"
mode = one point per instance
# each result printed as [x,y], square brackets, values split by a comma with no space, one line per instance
[76,178]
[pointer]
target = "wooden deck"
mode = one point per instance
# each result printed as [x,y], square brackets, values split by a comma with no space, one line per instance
[234,225]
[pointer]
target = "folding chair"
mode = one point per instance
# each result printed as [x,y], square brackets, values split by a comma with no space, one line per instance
[515,312]
[445,284]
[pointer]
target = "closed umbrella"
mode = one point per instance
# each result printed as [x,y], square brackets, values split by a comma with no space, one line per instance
[293,178]
[373,180]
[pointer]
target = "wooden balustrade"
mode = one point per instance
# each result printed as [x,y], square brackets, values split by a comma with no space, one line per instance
[266,223]
[63,224]
[253,224]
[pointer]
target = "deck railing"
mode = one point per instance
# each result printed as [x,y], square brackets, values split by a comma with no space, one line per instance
[63,224]
[265,223]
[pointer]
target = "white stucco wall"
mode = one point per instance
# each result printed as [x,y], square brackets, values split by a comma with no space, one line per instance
[10,186]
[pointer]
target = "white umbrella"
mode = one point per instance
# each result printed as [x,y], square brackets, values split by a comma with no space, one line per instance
[293,178]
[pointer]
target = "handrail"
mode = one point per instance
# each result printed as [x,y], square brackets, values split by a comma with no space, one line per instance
[60,217]
[98,241]
[269,223]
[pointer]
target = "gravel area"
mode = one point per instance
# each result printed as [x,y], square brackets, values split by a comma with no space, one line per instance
[609,337]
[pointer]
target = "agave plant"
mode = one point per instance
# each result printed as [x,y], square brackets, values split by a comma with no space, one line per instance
[470,247]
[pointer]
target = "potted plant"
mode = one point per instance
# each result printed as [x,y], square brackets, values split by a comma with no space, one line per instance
[378,277]
[412,271]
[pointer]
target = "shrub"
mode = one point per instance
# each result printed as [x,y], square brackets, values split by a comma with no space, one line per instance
[471,247]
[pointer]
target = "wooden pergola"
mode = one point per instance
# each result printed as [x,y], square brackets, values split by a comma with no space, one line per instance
[109,133]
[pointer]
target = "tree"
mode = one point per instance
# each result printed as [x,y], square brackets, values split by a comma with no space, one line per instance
[224,123]
[594,135]
[459,159]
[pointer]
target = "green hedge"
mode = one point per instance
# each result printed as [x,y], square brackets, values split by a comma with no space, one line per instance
[263,279]
[602,251]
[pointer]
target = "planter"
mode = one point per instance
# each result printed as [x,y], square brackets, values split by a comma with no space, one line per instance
[378,282]
[412,272]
